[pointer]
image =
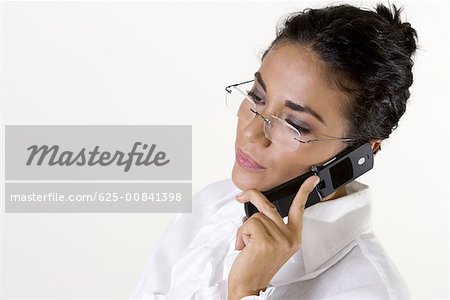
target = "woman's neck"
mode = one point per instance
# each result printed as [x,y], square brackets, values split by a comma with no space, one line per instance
[340,192]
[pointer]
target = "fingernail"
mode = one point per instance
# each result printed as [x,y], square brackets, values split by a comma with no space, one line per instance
[317,181]
[240,194]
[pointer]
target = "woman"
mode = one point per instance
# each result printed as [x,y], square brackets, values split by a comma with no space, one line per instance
[339,75]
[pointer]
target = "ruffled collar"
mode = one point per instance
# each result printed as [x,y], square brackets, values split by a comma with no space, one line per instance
[328,230]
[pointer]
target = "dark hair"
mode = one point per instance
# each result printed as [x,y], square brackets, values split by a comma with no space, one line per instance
[368,57]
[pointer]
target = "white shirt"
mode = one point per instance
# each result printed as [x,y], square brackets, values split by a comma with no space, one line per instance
[340,257]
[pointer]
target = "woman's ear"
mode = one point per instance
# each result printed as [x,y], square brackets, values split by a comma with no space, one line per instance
[376,145]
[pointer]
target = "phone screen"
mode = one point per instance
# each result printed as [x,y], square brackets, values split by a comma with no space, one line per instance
[341,173]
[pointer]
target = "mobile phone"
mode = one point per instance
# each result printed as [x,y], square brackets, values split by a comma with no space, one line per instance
[346,166]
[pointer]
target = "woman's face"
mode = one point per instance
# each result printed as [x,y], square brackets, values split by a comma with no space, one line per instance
[289,72]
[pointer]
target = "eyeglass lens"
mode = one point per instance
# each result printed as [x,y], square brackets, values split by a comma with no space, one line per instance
[275,129]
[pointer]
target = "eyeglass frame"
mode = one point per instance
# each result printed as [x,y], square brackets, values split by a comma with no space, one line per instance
[267,121]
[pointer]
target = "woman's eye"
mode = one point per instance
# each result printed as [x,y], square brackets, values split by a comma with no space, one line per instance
[255,97]
[300,129]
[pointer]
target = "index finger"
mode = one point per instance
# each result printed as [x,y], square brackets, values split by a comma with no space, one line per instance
[295,215]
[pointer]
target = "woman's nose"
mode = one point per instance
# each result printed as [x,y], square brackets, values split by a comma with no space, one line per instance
[253,131]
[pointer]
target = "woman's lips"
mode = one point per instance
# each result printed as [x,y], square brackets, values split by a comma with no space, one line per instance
[246,161]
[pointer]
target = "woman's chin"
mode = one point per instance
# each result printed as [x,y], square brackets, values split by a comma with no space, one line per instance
[245,180]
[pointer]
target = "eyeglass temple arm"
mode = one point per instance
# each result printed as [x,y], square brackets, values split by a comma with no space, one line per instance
[325,140]
[236,84]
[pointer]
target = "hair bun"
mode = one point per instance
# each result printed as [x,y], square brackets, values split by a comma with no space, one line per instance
[409,35]
[401,31]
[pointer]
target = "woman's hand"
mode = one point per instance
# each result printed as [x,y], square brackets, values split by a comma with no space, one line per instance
[266,241]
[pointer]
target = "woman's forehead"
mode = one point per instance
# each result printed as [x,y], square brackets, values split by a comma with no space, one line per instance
[293,72]
[291,66]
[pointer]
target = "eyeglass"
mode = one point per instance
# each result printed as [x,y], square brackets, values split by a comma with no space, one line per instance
[275,129]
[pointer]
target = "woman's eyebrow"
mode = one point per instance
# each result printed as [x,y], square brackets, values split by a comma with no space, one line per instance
[261,81]
[302,108]
[290,104]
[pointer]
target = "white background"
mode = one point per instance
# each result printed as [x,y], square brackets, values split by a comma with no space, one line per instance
[168,63]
